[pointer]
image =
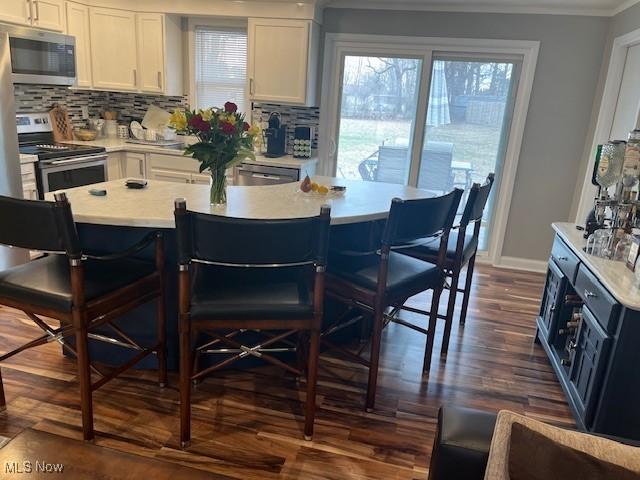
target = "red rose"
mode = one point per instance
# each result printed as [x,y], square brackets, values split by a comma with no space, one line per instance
[195,121]
[230,107]
[227,128]
[204,126]
[246,126]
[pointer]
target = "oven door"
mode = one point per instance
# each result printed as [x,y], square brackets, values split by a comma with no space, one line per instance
[73,172]
[42,57]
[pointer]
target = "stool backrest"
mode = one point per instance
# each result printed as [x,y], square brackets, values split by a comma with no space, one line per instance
[39,225]
[412,220]
[477,201]
[240,242]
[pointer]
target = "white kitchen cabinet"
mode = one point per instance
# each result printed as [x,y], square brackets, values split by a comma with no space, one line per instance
[133,165]
[29,186]
[15,11]
[169,175]
[113,49]
[47,14]
[78,26]
[283,59]
[175,168]
[114,166]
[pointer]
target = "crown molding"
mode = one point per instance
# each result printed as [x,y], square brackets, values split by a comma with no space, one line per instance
[486,8]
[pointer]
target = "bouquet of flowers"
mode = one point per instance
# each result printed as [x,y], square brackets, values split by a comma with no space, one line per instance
[224,139]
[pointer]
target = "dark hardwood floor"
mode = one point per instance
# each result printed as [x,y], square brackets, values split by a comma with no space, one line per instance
[248,424]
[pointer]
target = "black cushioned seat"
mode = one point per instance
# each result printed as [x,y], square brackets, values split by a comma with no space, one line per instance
[461,447]
[46,282]
[405,273]
[431,248]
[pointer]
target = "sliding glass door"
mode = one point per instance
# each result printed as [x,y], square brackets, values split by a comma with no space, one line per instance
[458,109]
[467,126]
[377,115]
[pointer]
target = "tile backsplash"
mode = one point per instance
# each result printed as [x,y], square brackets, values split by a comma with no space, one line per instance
[292,117]
[130,106]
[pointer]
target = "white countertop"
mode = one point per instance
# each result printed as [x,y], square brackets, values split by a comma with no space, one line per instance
[615,276]
[154,205]
[24,158]
[113,145]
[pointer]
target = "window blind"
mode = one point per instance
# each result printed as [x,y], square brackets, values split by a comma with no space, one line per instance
[221,66]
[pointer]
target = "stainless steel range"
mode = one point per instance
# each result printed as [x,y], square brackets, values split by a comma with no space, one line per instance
[60,165]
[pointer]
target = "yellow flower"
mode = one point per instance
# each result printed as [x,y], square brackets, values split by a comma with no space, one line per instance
[178,120]
[206,114]
[254,130]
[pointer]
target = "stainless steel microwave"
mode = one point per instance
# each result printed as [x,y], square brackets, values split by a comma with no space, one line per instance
[41,57]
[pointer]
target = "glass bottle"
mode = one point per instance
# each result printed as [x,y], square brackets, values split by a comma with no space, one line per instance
[631,164]
[610,165]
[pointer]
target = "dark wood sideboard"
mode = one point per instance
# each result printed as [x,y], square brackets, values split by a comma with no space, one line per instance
[589,326]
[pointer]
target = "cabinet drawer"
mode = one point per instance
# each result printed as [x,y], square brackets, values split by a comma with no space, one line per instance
[174,162]
[604,307]
[565,258]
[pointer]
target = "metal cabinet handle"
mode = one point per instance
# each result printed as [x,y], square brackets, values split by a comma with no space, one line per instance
[563,259]
[30,7]
[251,86]
[37,17]
[589,294]
[159,79]
[135,77]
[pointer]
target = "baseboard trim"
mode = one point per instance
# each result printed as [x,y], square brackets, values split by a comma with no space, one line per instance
[526,264]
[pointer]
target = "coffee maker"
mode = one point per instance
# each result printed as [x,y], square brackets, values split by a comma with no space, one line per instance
[276,137]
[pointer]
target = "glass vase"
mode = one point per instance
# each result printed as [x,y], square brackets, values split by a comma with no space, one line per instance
[218,193]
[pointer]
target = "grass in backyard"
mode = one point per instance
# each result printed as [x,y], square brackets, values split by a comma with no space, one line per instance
[475,144]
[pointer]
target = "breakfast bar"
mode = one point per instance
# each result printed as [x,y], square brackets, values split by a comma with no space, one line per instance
[122,217]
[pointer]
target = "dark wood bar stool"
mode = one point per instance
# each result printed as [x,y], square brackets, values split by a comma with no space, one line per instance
[372,281]
[81,291]
[263,278]
[461,250]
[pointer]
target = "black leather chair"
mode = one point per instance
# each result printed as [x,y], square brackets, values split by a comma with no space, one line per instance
[258,277]
[81,291]
[371,281]
[462,249]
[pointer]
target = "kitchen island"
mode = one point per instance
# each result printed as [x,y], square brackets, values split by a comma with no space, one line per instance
[124,216]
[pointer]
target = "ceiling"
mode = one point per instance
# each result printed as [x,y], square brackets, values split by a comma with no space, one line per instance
[561,7]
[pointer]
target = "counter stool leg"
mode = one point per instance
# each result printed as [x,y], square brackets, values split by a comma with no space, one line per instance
[3,403]
[467,290]
[162,341]
[185,384]
[84,376]
[312,379]
[433,322]
[451,308]
[376,338]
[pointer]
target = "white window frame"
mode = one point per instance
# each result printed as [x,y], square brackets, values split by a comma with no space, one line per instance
[583,198]
[192,24]
[339,44]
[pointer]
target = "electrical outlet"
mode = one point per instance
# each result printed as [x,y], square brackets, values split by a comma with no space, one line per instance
[85,112]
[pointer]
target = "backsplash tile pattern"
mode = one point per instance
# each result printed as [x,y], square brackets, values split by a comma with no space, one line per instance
[292,117]
[130,106]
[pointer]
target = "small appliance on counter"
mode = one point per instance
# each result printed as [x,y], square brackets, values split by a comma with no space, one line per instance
[276,137]
[302,140]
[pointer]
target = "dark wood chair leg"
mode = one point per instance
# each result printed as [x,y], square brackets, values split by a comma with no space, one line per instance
[376,339]
[3,403]
[84,376]
[433,322]
[312,378]
[467,289]
[451,307]
[185,383]
[162,341]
